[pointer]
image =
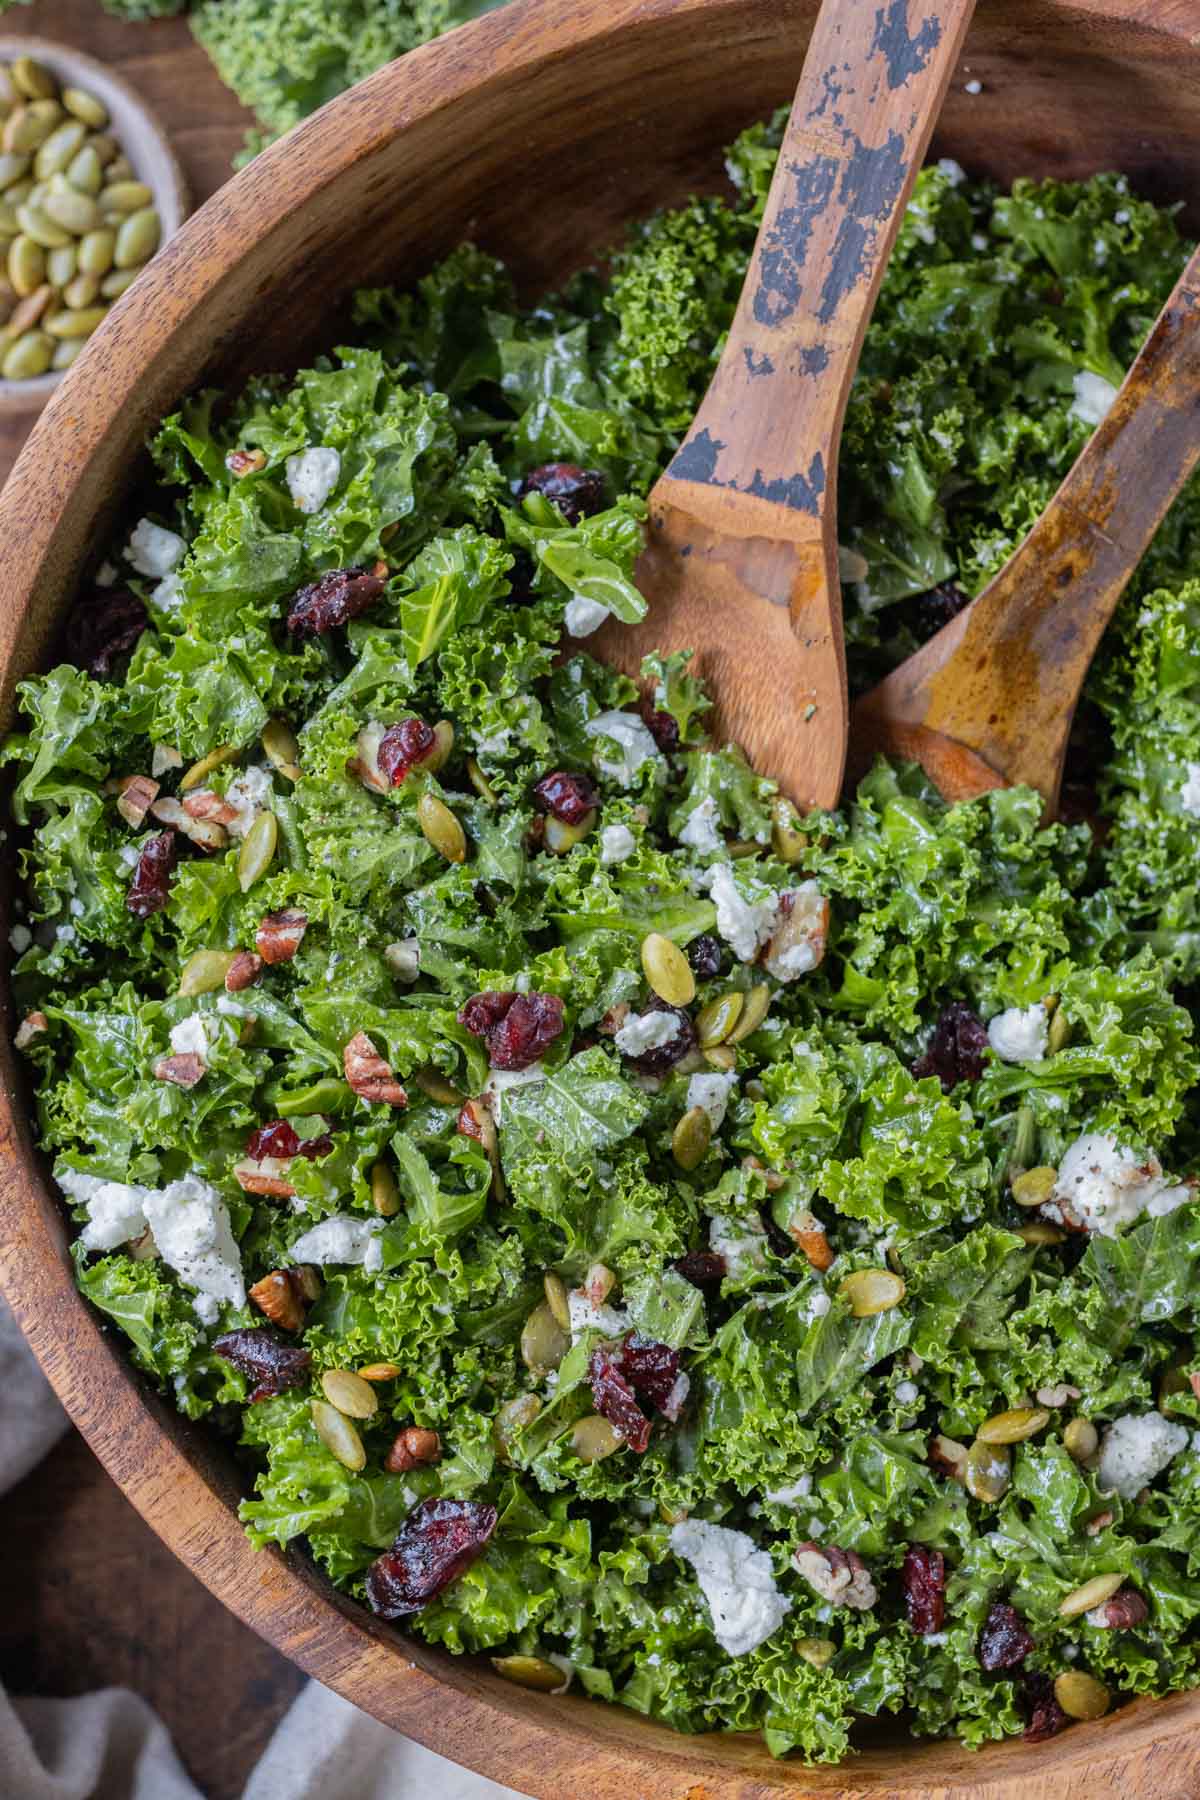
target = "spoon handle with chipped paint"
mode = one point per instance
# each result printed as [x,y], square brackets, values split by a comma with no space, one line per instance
[868,99]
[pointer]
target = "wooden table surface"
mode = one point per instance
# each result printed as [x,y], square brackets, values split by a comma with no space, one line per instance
[88,1596]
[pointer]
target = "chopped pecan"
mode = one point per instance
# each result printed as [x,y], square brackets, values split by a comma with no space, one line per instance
[1099,1522]
[808,1234]
[1056,1396]
[165,757]
[414,1448]
[797,944]
[839,1576]
[280,935]
[599,1283]
[31,1026]
[205,804]
[1121,1612]
[369,1075]
[365,766]
[948,1456]
[264,1175]
[205,833]
[614,1018]
[281,1297]
[138,793]
[243,971]
[245,462]
[184,1071]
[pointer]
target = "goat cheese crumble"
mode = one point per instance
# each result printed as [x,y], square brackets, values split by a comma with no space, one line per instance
[712,1093]
[646,1031]
[617,843]
[153,550]
[581,617]
[1093,397]
[1135,1449]
[634,743]
[1018,1035]
[312,476]
[744,924]
[738,1581]
[341,1239]
[1106,1187]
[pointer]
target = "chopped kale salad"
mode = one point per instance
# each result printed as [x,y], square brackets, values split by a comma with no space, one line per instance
[742,1266]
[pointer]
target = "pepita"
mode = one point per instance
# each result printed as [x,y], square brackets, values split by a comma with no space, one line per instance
[353,1397]
[691,1138]
[385,1195]
[258,850]
[126,196]
[721,1057]
[480,783]
[79,324]
[871,1291]
[1040,1234]
[204,972]
[1081,1440]
[593,1438]
[137,237]
[544,1342]
[1015,1426]
[80,291]
[56,151]
[987,1471]
[530,1672]
[1092,1593]
[119,281]
[85,106]
[1081,1696]
[62,266]
[200,771]
[1059,1034]
[443,745]
[787,840]
[338,1435]
[29,356]
[820,1652]
[282,749]
[26,265]
[24,131]
[560,838]
[74,212]
[12,167]
[33,79]
[95,252]
[35,224]
[84,172]
[716,1020]
[440,829]
[68,349]
[435,1086]
[667,970]
[380,1371]
[511,1420]
[556,1298]
[1035,1186]
[754,1011]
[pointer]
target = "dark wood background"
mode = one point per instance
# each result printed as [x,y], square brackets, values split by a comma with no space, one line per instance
[88,1596]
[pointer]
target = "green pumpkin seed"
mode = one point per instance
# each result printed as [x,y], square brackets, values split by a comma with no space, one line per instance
[715,1021]
[1059,1034]
[258,850]
[125,197]
[1035,1186]
[380,1371]
[29,356]
[1081,1440]
[200,771]
[480,783]
[556,1298]
[105,146]
[119,282]
[61,266]
[1081,1696]
[667,970]
[84,172]
[96,252]
[1013,1427]
[754,1011]
[593,1438]
[530,1672]
[205,971]
[434,1086]
[26,265]
[338,1435]
[443,744]
[353,1397]
[871,1291]
[1040,1235]
[33,79]
[66,352]
[137,238]
[9,227]
[820,1652]
[120,169]
[282,750]
[721,1057]
[987,1471]
[35,224]
[85,106]
[81,292]
[511,1420]
[1092,1593]
[27,312]
[79,324]
[544,1342]
[12,168]
[24,132]
[74,212]
[440,828]
[787,840]
[59,149]
[559,837]
[385,1195]
[691,1138]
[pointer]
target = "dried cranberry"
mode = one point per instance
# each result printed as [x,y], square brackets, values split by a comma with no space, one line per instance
[1046,1716]
[955,1049]
[924,1579]
[619,1373]
[704,954]
[150,888]
[103,629]
[938,606]
[518,1028]
[567,797]
[701,1267]
[663,1057]
[615,1399]
[1004,1640]
[269,1362]
[655,1373]
[662,726]
[279,1139]
[576,492]
[403,746]
[437,1543]
[339,595]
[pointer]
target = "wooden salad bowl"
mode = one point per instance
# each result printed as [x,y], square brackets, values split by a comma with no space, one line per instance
[539,131]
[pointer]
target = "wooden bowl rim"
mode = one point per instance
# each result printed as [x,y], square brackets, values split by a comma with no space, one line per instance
[448,1704]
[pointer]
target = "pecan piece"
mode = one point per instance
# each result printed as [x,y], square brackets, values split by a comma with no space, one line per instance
[808,1234]
[205,833]
[1099,1522]
[205,804]
[138,794]
[797,944]
[245,462]
[280,935]
[1121,1612]
[369,1075]
[243,971]
[31,1026]
[284,1296]
[264,1175]
[839,1576]
[414,1448]
[184,1071]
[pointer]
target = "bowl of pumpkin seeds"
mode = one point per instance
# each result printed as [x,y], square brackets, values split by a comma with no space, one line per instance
[89,191]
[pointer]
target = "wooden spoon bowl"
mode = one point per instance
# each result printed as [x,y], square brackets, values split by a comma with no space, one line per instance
[577,118]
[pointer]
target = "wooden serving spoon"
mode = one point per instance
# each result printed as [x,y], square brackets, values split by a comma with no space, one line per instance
[988,701]
[741,562]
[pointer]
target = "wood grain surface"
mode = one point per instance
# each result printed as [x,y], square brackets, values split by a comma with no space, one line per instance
[538,131]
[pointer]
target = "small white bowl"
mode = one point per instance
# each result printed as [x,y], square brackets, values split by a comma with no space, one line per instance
[142,139]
